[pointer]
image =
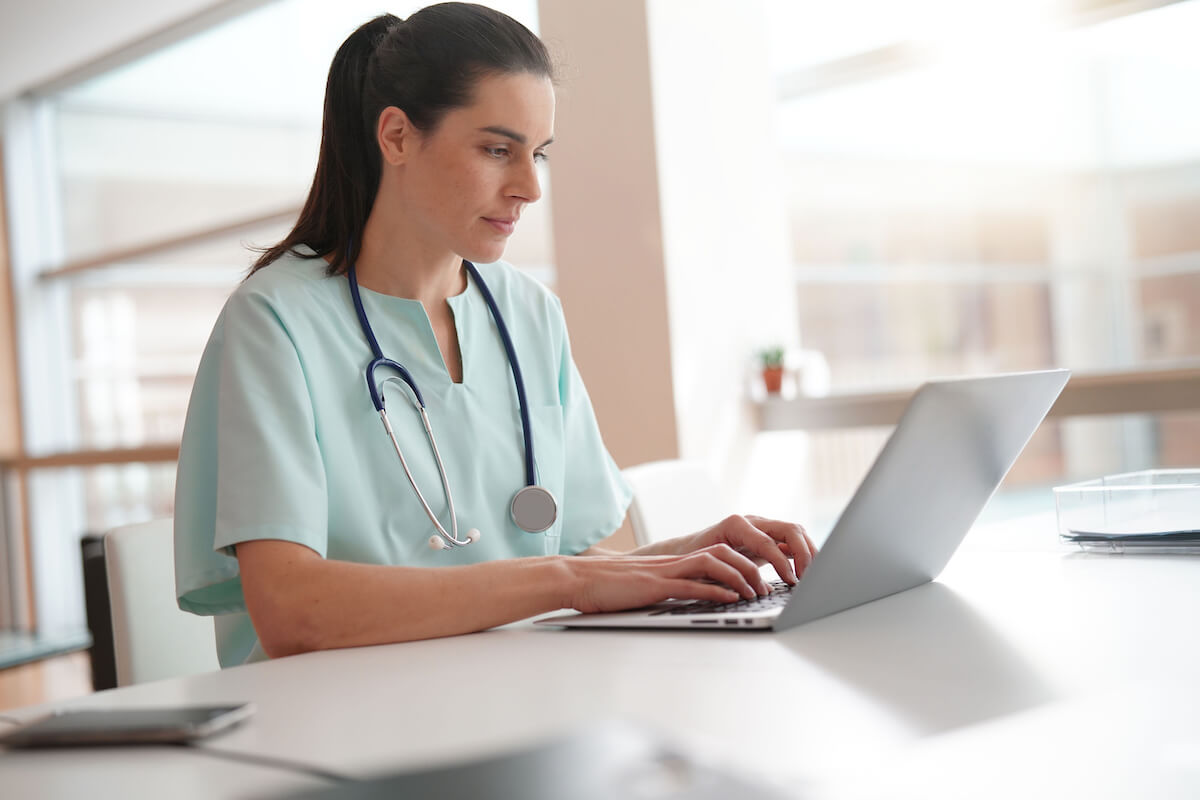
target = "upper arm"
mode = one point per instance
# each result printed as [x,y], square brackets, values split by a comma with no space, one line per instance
[264,561]
[250,465]
[272,571]
[270,471]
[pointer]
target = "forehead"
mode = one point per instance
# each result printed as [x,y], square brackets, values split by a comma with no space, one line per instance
[521,102]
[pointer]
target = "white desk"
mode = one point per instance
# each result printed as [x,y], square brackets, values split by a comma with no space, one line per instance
[1020,650]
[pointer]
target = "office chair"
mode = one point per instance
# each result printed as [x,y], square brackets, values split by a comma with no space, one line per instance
[671,498]
[152,638]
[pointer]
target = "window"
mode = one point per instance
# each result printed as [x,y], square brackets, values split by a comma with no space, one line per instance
[985,187]
[136,193]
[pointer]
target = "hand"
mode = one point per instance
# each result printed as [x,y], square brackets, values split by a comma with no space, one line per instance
[619,582]
[783,545]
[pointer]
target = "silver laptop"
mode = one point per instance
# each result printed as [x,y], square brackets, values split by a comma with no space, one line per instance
[955,443]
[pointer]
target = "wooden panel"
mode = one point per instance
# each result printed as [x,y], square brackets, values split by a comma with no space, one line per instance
[10,408]
[147,454]
[1143,392]
[114,257]
[18,608]
[50,681]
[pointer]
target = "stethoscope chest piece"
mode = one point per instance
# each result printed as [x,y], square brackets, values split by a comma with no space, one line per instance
[534,509]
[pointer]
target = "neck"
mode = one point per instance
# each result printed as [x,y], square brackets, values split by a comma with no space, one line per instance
[394,259]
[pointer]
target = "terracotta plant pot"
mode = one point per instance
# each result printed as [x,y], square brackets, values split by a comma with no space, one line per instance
[773,379]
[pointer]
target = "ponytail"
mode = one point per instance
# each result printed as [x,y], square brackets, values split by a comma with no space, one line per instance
[347,175]
[425,66]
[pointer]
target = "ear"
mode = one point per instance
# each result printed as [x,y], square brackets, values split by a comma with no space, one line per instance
[396,136]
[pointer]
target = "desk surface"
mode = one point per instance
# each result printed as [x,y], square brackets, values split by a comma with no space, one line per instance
[1021,647]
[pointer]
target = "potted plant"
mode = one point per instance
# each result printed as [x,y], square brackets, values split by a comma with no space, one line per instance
[772,368]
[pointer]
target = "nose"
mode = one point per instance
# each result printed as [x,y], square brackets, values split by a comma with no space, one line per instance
[526,184]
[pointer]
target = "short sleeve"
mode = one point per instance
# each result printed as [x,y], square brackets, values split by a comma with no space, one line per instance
[596,496]
[250,466]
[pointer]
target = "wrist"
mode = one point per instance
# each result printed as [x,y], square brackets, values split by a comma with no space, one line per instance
[562,579]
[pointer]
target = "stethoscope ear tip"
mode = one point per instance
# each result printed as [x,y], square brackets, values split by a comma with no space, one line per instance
[436,543]
[473,535]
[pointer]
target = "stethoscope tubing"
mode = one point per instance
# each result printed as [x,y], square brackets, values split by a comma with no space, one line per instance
[514,364]
[451,537]
[510,350]
[533,508]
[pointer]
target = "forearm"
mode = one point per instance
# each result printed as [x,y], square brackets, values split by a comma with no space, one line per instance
[315,604]
[299,601]
[668,547]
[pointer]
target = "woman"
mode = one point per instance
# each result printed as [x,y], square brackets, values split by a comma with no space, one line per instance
[295,521]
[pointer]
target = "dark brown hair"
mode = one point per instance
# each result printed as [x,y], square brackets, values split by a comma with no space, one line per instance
[426,66]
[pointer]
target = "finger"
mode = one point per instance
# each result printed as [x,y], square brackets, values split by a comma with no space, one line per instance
[742,562]
[801,546]
[684,589]
[705,564]
[795,538]
[783,546]
[765,547]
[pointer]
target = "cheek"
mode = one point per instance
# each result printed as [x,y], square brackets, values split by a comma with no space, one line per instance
[441,199]
[457,191]
[452,194]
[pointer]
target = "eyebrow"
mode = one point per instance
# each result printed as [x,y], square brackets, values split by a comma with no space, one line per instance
[519,138]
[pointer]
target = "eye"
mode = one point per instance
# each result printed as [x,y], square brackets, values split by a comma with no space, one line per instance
[496,152]
[541,157]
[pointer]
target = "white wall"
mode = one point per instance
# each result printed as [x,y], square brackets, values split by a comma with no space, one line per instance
[44,39]
[725,233]
[671,241]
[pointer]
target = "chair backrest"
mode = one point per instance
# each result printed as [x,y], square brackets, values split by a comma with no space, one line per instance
[152,638]
[672,498]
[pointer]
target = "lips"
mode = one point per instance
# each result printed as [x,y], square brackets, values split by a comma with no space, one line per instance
[505,226]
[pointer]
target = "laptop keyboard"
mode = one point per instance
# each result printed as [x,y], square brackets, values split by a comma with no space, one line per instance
[778,598]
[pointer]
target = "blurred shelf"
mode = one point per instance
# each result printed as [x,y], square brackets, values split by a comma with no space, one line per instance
[146,454]
[21,647]
[1130,392]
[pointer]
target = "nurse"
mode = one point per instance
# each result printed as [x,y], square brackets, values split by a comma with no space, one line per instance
[295,523]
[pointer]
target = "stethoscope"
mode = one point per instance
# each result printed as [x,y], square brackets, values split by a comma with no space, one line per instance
[533,507]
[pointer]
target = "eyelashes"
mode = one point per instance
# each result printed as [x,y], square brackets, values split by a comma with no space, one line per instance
[504,152]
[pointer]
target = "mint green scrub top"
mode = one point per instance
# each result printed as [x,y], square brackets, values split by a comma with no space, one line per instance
[282,442]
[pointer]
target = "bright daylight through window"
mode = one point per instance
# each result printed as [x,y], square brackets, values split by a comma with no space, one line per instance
[970,187]
[152,180]
[982,187]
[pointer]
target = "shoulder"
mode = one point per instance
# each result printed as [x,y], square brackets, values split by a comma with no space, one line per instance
[521,291]
[531,310]
[288,290]
[290,278]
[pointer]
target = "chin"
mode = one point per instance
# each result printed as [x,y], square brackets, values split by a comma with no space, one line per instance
[484,253]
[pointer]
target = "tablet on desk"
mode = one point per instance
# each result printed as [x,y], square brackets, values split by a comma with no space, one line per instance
[126,726]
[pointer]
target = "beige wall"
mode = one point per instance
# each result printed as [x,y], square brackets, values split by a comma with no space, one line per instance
[606,222]
[10,408]
[13,522]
